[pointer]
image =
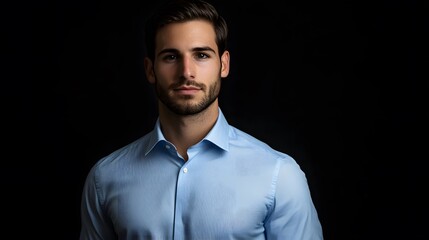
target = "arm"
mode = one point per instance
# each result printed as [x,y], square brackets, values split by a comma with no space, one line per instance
[95,224]
[293,214]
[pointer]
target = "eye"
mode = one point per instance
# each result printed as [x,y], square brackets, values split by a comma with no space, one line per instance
[202,55]
[169,58]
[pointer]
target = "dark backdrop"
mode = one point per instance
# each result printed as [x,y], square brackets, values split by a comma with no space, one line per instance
[336,84]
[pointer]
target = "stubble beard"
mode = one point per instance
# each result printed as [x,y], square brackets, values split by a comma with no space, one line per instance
[184,106]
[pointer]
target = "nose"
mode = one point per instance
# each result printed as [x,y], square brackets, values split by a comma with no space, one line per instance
[188,67]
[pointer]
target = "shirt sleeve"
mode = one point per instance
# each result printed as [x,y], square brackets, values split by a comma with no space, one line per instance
[293,214]
[94,222]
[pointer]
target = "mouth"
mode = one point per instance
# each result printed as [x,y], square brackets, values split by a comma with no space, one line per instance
[187,89]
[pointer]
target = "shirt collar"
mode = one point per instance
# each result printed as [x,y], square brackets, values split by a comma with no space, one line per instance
[218,135]
[155,137]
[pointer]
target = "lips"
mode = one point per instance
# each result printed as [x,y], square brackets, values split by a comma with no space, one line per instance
[187,89]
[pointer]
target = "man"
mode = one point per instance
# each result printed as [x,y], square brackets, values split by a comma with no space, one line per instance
[195,176]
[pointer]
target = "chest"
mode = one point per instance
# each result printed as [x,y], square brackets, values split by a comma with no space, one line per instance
[202,201]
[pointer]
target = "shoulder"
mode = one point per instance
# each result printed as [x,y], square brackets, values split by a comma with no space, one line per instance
[252,145]
[285,172]
[122,157]
[243,139]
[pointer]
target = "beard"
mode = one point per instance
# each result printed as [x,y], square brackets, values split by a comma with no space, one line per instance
[188,108]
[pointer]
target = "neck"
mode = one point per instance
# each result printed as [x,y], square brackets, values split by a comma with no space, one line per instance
[185,131]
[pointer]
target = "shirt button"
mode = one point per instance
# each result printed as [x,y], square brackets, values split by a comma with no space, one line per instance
[167,146]
[185,170]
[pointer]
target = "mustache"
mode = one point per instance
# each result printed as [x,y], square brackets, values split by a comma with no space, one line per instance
[188,83]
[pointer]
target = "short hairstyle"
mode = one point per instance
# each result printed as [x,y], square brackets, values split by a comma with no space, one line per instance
[178,11]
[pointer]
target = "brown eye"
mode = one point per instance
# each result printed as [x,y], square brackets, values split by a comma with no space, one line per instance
[202,55]
[170,57]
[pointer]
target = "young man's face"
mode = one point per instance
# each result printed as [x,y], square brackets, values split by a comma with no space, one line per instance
[187,70]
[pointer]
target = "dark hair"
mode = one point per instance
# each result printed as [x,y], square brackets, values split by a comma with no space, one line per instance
[177,11]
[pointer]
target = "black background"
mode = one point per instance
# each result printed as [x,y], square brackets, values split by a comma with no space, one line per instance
[335,84]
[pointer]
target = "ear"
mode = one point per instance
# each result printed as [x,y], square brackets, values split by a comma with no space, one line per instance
[224,60]
[148,66]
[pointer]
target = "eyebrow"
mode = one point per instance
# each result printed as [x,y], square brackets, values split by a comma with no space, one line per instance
[196,49]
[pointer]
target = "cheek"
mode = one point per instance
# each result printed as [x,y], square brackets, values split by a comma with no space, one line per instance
[165,74]
[212,71]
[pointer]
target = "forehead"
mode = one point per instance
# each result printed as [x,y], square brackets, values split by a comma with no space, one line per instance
[195,33]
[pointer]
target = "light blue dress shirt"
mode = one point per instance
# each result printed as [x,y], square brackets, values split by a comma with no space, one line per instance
[233,186]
